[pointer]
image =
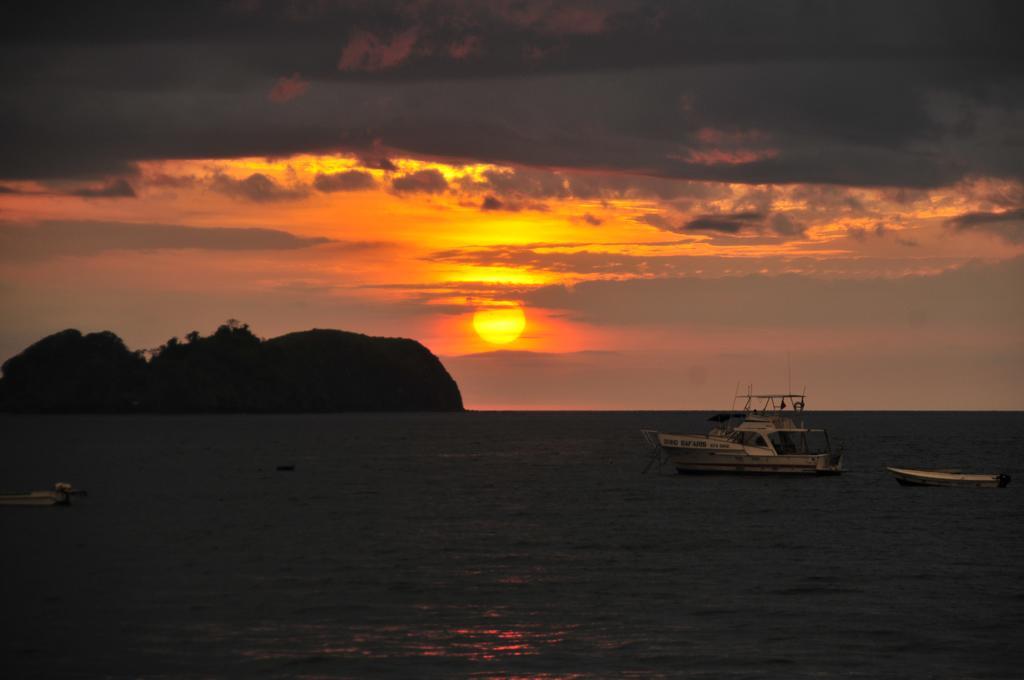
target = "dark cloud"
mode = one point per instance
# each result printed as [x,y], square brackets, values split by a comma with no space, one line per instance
[422,181]
[8,190]
[574,33]
[118,188]
[745,223]
[861,234]
[880,231]
[491,203]
[784,225]
[521,183]
[257,187]
[378,163]
[1008,225]
[351,180]
[912,94]
[729,223]
[84,238]
[172,181]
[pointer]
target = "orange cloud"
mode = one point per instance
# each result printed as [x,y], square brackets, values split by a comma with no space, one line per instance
[464,48]
[368,52]
[288,88]
[725,156]
[463,235]
[558,18]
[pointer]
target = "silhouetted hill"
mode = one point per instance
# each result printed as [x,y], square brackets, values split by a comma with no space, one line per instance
[68,371]
[229,371]
[317,376]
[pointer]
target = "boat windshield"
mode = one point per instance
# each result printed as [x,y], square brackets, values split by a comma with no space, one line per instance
[787,442]
[749,438]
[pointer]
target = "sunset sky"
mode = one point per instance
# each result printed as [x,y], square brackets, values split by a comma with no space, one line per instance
[677,195]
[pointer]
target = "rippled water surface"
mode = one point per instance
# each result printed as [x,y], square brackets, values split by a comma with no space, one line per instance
[503,544]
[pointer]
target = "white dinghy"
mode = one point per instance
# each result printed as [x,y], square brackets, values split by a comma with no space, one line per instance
[911,477]
[61,495]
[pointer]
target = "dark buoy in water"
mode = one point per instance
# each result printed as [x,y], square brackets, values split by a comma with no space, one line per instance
[285,468]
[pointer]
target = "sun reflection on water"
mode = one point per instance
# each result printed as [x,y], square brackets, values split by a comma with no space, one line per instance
[485,643]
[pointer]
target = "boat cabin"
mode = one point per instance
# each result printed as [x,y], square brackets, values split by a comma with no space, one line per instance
[764,425]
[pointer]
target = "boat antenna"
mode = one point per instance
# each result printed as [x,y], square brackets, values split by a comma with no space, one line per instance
[789,373]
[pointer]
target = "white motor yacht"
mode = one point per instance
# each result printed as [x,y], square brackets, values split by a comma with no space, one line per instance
[767,437]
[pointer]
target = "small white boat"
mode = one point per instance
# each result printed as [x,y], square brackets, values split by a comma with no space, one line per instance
[911,477]
[61,495]
[763,439]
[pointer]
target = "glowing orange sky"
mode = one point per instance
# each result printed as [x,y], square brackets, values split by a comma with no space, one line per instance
[440,253]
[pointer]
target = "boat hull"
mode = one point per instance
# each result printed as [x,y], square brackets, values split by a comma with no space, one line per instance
[35,498]
[700,462]
[911,477]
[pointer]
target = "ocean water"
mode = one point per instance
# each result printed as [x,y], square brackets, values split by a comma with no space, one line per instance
[502,545]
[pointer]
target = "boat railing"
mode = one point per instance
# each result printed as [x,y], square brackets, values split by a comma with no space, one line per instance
[651,438]
[658,454]
[771,404]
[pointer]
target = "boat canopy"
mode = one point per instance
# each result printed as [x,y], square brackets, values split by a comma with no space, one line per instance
[771,403]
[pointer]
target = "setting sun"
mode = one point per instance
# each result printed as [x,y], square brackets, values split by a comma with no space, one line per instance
[499,326]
